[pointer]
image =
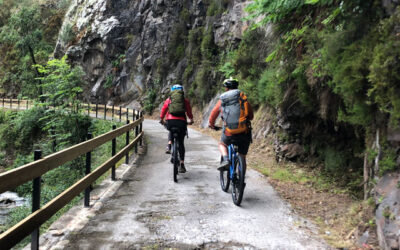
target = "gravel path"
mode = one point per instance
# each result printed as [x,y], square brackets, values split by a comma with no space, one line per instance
[150,211]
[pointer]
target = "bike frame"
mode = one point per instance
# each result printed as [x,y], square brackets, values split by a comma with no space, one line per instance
[232,158]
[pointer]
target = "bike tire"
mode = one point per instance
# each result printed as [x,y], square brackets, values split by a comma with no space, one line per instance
[175,159]
[238,183]
[224,179]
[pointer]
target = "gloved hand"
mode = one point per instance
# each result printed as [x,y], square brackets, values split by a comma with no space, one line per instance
[190,121]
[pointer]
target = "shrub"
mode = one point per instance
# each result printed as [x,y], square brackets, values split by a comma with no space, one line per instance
[149,102]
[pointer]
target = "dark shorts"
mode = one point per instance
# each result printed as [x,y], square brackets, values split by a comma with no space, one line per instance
[241,140]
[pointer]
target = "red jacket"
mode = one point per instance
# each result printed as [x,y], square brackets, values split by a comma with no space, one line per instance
[168,116]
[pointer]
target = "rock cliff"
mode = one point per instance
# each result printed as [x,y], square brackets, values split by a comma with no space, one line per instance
[124,46]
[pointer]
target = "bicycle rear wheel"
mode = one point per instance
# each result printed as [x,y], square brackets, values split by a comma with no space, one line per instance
[238,183]
[175,159]
[224,179]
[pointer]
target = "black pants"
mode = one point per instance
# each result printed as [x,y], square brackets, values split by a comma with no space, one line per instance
[182,126]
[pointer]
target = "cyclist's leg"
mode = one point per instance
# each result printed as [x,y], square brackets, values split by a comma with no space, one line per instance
[243,143]
[181,141]
[225,140]
[168,149]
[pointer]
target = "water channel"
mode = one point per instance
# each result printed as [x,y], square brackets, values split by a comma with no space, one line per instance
[8,201]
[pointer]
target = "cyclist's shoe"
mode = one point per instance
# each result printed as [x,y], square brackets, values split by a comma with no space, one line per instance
[224,166]
[168,149]
[182,168]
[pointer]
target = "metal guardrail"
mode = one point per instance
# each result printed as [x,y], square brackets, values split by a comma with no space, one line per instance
[33,171]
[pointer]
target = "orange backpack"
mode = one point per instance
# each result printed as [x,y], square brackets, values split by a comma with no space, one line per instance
[235,110]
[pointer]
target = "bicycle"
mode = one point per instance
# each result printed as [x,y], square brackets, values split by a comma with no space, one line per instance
[175,149]
[236,174]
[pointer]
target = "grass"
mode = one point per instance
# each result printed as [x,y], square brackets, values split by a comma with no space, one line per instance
[317,197]
[288,172]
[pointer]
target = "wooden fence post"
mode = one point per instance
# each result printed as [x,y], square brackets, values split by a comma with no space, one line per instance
[105,111]
[141,128]
[127,143]
[136,114]
[27,104]
[113,151]
[97,105]
[127,113]
[18,103]
[87,171]
[36,203]
[53,134]
[112,113]
[120,113]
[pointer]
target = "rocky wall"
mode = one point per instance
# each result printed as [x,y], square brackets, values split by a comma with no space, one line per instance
[120,44]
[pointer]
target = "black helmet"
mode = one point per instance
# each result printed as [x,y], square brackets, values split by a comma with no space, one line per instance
[231,83]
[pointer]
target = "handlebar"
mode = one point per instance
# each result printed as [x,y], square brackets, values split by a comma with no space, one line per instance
[216,128]
[162,122]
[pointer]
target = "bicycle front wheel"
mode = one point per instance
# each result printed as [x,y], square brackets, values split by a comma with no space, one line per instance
[238,183]
[175,159]
[224,179]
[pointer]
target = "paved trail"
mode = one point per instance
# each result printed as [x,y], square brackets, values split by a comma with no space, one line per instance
[150,211]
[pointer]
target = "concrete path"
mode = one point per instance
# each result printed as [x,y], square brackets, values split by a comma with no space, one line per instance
[150,211]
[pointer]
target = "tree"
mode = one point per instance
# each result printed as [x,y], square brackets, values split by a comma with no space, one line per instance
[62,89]
[24,32]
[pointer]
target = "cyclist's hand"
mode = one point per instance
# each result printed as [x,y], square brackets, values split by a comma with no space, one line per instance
[161,122]
[190,121]
[211,126]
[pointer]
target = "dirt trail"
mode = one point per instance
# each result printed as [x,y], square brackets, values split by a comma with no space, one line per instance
[150,211]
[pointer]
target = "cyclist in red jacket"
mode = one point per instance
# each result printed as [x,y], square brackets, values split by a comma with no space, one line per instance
[180,109]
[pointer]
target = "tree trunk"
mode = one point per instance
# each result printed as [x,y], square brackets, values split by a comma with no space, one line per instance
[32,54]
[366,176]
[378,148]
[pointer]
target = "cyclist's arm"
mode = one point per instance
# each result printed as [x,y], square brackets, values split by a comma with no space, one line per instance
[164,109]
[214,114]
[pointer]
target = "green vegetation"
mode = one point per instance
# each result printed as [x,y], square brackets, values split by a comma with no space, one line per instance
[28,32]
[330,70]
[57,180]
[332,74]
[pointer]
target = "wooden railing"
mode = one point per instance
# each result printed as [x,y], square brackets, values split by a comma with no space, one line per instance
[96,110]
[33,171]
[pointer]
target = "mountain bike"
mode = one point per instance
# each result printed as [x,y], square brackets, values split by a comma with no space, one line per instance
[175,131]
[236,174]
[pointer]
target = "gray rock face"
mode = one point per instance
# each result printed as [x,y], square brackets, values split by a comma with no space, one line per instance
[120,44]
[390,5]
[207,111]
[387,196]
